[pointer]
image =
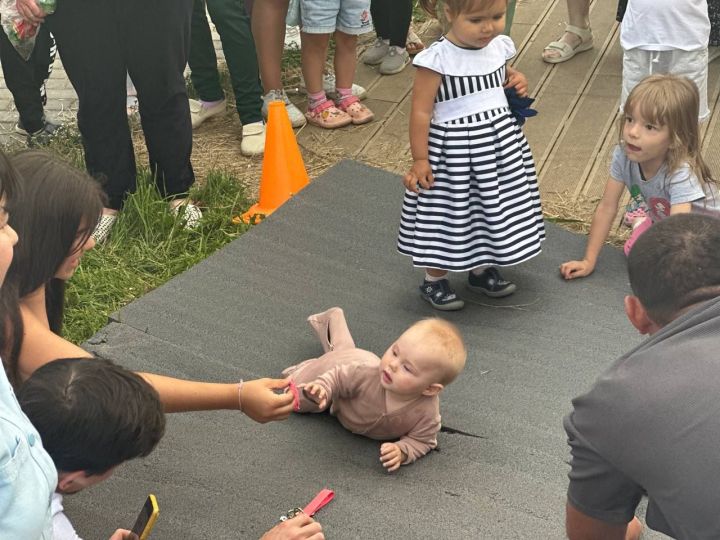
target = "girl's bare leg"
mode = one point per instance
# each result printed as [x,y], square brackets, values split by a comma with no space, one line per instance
[345,59]
[313,54]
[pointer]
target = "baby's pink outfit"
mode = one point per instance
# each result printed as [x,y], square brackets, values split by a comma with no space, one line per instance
[351,378]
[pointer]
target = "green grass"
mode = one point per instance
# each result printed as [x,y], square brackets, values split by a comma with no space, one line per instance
[147,247]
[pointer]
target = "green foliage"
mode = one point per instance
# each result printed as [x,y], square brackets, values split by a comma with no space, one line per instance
[147,247]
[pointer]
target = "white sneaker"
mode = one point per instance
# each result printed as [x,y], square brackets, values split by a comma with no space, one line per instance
[199,113]
[103,227]
[297,119]
[253,139]
[191,213]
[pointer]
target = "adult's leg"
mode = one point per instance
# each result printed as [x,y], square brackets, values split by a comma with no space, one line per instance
[87,38]
[578,15]
[233,25]
[268,29]
[157,45]
[381,13]
[203,60]
[43,58]
[400,12]
[20,80]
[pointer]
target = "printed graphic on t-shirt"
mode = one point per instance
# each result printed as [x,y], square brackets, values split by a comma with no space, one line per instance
[659,208]
[365,18]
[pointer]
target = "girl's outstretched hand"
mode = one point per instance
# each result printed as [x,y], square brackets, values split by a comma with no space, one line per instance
[419,176]
[260,401]
[316,393]
[518,81]
[576,269]
[391,456]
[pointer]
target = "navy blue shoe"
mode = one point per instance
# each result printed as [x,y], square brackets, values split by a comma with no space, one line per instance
[440,295]
[491,283]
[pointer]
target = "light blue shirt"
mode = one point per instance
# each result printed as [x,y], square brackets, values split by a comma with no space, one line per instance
[27,474]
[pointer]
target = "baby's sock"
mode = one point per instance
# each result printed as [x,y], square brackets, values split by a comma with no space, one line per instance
[480,269]
[432,278]
[316,99]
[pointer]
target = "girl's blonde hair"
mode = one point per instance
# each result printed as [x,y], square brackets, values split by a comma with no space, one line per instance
[672,101]
[454,6]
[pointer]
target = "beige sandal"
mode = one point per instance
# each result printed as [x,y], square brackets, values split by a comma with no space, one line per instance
[566,50]
[328,116]
[358,112]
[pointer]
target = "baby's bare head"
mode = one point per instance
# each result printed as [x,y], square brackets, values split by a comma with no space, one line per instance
[445,346]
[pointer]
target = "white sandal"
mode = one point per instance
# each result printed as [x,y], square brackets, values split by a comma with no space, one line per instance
[566,50]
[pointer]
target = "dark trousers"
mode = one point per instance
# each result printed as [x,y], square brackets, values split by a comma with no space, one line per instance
[26,78]
[391,19]
[99,41]
[233,25]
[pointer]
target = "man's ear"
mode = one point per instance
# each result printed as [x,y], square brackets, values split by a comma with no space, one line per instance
[67,480]
[638,316]
[433,390]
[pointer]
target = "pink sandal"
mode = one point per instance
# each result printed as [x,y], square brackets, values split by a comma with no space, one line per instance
[328,116]
[359,113]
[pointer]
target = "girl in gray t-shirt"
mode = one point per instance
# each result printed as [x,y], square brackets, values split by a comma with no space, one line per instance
[658,160]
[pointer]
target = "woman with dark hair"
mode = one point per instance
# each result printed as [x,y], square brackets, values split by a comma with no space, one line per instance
[55,216]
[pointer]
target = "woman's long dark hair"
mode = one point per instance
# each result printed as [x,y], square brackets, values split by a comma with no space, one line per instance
[9,309]
[56,211]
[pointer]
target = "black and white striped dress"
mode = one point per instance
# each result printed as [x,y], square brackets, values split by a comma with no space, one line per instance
[484,206]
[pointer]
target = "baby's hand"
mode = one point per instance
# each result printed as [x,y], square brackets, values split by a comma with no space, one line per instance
[316,393]
[419,176]
[576,269]
[391,456]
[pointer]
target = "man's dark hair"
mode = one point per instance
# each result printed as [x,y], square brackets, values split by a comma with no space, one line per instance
[92,414]
[676,264]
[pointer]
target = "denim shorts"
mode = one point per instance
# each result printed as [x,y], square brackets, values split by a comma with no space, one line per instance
[325,16]
[639,63]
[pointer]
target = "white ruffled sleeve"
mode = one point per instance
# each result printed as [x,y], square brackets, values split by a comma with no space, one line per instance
[507,46]
[430,58]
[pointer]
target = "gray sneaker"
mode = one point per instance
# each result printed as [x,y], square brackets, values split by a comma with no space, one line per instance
[395,61]
[297,119]
[376,52]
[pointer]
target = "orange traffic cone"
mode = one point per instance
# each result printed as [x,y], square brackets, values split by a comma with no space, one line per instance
[283,172]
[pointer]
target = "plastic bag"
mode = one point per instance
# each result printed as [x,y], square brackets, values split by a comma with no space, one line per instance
[20,32]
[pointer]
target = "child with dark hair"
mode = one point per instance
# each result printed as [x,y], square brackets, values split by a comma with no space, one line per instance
[92,415]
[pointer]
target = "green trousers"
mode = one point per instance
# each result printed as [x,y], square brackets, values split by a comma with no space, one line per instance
[233,25]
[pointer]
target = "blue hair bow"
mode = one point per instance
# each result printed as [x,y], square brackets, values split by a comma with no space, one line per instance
[519,106]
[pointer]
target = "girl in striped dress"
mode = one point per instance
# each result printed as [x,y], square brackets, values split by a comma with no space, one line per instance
[472,202]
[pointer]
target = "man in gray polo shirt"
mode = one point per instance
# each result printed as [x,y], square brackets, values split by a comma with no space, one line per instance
[651,423]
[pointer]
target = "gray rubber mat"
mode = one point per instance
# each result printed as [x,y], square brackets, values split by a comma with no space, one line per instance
[241,314]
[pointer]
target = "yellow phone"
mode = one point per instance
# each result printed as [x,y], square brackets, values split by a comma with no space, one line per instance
[147,517]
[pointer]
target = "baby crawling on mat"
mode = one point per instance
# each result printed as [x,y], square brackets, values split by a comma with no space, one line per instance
[390,398]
